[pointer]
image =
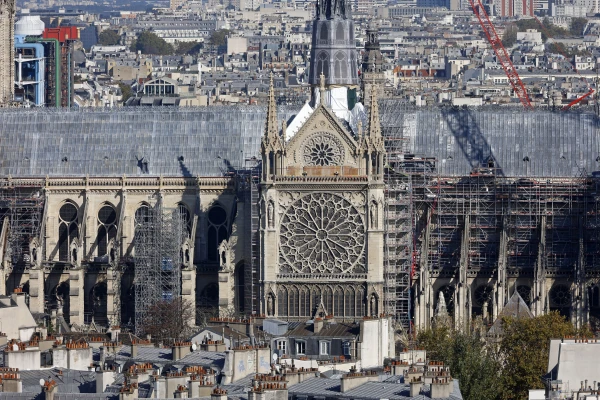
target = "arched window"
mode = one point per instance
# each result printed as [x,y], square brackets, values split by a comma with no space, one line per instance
[282,302]
[324,34]
[304,303]
[142,215]
[322,65]
[339,32]
[293,294]
[98,303]
[316,299]
[350,302]
[68,229]
[107,229]
[217,231]
[341,67]
[328,300]
[595,298]
[209,295]
[360,303]
[338,302]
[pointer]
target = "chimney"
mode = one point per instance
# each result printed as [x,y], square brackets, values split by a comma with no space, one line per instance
[415,388]
[218,394]
[181,349]
[317,325]
[50,389]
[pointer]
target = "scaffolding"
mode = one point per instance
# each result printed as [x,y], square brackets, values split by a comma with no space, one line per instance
[157,261]
[23,205]
[248,180]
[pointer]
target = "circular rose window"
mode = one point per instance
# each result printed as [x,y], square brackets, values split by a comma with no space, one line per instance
[321,233]
[323,149]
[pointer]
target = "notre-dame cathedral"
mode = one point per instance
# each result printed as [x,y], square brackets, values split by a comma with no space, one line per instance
[350,205]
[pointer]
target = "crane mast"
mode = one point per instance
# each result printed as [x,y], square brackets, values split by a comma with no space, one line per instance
[501,53]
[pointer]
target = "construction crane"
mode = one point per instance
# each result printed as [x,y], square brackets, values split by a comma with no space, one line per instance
[504,57]
[501,53]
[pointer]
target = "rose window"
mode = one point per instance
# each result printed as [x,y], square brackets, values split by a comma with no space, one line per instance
[323,149]
[322,154]
[322,233]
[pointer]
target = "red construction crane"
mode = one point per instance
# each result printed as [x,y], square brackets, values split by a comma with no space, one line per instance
[504,57]
[501,53]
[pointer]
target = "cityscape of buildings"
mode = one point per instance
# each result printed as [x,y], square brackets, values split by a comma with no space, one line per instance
[268,200]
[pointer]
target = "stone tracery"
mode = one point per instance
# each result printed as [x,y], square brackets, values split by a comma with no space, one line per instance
[323,149]
[322,233]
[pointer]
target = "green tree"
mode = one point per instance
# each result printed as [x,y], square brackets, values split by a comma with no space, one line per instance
[524,351]
[577,26]
[184,48]
[219,37]
[470,361]
[149,43]
[126,91]
[510,35]
[109,37]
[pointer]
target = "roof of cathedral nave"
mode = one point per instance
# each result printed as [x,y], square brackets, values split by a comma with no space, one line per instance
[212,140]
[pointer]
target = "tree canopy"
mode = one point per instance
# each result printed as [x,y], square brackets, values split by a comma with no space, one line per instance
[548,30]
[524,351]
[577,26]
[476,369]
[168,320]
[498,369]
[125,91]
[184,48]
[149,43]
[219,37]
[109,37]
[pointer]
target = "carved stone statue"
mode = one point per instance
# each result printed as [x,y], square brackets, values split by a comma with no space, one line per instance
[270,305]
[373,215]
[271,214]
[226,256]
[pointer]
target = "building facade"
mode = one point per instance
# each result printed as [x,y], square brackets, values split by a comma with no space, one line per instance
[7,50]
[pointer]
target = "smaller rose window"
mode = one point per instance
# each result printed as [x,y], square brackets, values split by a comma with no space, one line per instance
[322,154]
[323,149]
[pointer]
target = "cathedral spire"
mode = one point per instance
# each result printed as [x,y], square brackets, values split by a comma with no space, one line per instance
[271,129]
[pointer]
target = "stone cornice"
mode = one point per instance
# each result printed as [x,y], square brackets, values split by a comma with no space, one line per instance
[56,184]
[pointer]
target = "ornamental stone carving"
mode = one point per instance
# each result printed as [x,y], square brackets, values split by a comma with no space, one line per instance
[322,149]
[322,233]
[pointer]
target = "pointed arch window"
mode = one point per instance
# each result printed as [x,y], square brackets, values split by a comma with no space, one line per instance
[341,65]
[68,229]
[293,301]
[304,303]
[338,303]
[322,65]
[107,228]
[328,300]
[340,32]
[282,302]
[217,231]
[349,300]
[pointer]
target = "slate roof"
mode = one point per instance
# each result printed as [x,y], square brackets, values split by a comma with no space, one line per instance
[328,330]
[392,389]
[102,142]
[163,356]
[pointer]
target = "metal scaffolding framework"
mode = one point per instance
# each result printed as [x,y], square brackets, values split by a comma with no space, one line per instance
[157,262]
[23,205]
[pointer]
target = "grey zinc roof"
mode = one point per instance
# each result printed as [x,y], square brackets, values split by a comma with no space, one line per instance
[113,142]
[164,356]
[557,144]
[392,390]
